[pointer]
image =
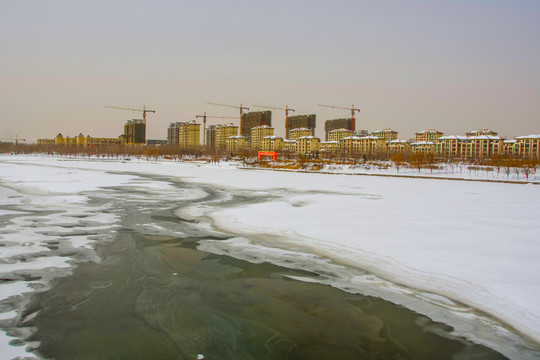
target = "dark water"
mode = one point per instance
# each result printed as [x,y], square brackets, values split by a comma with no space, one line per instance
[155,296]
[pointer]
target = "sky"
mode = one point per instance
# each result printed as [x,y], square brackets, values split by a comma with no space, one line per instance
[454,66]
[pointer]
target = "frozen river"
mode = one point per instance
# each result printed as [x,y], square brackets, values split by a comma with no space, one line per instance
[176,260]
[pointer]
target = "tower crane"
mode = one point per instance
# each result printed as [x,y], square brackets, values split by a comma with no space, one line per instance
[144,111]
[287,109]
[241,107]
[204,117]
[17,139]
[352,109]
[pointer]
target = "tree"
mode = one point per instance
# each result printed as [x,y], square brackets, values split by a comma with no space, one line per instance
[528,167]
[417,160]
[397,159]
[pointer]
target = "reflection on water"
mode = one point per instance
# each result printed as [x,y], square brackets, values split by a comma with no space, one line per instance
[157,297]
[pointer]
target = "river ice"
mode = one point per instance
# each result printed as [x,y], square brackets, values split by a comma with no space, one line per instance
[461,245]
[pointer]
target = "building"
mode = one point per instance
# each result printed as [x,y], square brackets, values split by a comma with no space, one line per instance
[271,143]
[509,147]
[156,142]
[299,132]
[527,146]
[367,145]
[289,145]
[330,146]
[307,145]
[257,134]
[300,121]
[449,146]
[481,147]
[253,119]
[428,135]
[172,133]
[480,132]
[236,143]
[330,125]
[386,134]
[338,134]
[423,147]
[223,132]
[81,140]
[135,131]
[398,146]
[189,135]
[210,137]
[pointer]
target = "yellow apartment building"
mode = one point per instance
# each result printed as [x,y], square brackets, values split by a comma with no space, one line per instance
[386,134]
[45,142]
[423,147]
[338,134]
[398,146]
[299,132]
[449,146]
[527,146]
[307,145]
[258,133]
[483,146]
[236,143]
[81,140]
[429,135]
[330,146]
[272,143]
[289,145]
[363,145]
[189,135]
[509,147]
[223,132]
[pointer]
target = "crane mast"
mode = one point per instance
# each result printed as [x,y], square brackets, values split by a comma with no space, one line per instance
[204,117]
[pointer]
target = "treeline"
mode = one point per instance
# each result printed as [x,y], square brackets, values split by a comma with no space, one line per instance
[418,161]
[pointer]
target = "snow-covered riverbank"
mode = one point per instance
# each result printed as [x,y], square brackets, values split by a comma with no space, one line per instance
[476,243]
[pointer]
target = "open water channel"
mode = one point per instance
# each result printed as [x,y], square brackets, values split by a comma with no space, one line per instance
[155,294]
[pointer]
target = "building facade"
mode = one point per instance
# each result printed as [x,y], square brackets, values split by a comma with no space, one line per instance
[481,147]
[236,143]
[338,134]
[135,131]
[367,145]
[423,147]
[386,134]
[527,147]
[253,119]
[398,146]
[300,121]
[480,132]
[257,134]
[430,135]
[307,145]
[189,134]
[299,132]
[450,145]
[223,132]
[172,133]
[330,125]
[271,143]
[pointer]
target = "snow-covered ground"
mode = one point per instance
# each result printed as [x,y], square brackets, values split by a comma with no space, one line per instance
[471,243]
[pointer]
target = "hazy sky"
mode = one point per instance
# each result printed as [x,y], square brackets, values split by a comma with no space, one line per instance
[409,65]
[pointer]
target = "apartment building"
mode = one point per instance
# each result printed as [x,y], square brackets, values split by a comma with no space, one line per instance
[257,134]
[450,145]
[429,135]
[527,146]
[236,143]
[483,146]
[481,132]
[300,121]
[386,134]
[299,132]
[330,146]
[307,145]
[189,135]
[338,134]
[363,145]
[423,147]
[222,133]
[271,143]
[398,146]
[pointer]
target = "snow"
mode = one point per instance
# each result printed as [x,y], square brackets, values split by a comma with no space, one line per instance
[474,243]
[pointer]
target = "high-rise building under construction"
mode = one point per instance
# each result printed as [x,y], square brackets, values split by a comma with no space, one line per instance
[135,131]
[252,119]
[330,125]
[300,121]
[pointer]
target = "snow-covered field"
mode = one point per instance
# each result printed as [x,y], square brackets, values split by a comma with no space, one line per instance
[463,246]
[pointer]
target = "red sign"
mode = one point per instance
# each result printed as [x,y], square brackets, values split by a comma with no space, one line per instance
[260,154]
